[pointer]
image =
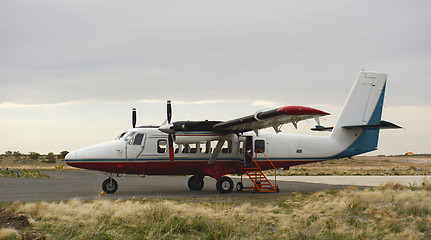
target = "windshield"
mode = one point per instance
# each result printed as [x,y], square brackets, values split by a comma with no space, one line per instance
[120,136]
[128,135]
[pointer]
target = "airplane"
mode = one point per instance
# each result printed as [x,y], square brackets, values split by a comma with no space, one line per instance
[218,148]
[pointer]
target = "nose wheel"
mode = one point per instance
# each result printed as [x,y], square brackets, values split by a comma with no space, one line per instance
[110,186]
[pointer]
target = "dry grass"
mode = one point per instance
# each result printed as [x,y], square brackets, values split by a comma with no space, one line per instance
[22,173]
[27,163]
[27,168]
[375,166]
[8,233]
[391,211]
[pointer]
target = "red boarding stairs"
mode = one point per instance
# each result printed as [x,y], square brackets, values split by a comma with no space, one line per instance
[260,181]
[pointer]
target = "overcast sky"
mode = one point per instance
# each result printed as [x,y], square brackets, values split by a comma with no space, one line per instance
[70,71]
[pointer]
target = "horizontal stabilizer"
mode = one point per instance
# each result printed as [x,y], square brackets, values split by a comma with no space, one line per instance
[322,128]
[381,125]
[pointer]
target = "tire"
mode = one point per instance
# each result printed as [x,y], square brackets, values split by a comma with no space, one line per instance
[195,183]
[224,185]
[239,187]
[110,186]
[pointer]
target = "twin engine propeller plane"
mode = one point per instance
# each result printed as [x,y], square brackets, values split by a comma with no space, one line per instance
[218,148]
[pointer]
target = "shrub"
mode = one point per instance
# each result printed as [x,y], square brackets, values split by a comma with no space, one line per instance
[34,155]
[51,158]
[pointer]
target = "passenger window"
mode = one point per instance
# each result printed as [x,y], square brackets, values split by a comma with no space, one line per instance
[259,145]
[227,147]
[177,147]
[208,148]
[138,139]
[186,148]
[161,145]
[196,149]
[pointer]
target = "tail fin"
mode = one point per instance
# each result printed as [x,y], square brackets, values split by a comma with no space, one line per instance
[362,110]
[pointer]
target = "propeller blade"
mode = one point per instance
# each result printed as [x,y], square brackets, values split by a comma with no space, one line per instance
[134,117]
[171,147]
[169,111]
[170,136]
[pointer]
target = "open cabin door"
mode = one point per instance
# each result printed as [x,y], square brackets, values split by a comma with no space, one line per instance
[246,145]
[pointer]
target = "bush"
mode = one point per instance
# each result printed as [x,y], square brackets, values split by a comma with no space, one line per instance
[63,154]
[17,154]
[50,158]
[34,155]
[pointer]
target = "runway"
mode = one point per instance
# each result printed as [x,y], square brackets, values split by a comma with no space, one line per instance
[86,185]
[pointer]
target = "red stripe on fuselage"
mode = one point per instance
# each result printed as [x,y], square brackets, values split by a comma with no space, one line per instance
[175,167]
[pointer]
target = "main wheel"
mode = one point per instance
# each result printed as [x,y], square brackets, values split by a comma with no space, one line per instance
[224,185]
[110,186]
[195,183]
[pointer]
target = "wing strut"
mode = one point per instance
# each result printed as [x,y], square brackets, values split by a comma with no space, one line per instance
[217,149]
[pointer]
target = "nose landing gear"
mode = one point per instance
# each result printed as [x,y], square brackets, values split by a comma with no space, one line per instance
[110,186]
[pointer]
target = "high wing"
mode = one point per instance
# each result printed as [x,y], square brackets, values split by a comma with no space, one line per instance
[271,118]
[263,119]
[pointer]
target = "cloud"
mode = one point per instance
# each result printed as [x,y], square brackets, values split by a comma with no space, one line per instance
[264,103]
[9,105]
[280,51]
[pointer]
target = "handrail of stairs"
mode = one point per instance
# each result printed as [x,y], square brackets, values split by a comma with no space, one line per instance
[275,169]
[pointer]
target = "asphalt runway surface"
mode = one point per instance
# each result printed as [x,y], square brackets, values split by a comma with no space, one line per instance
[87,185]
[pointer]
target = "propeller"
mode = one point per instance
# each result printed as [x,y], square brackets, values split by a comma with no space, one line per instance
[170,136]
[134,117]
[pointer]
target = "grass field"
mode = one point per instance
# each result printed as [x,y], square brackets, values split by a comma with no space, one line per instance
[365,166]
[27,168]
[391,211]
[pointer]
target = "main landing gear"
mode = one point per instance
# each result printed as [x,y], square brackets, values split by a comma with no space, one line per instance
[196,183]
[223,185]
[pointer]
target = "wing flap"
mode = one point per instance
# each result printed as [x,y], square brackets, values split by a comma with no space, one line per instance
[270,118]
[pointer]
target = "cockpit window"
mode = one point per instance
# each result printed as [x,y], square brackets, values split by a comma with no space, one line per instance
[138,139]
[120,136]
[128,136]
